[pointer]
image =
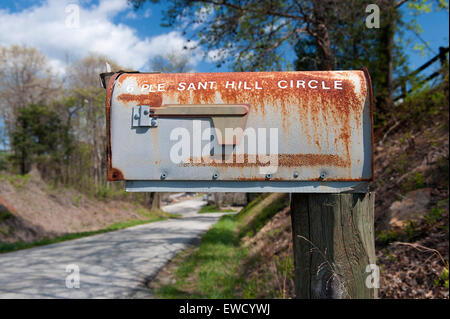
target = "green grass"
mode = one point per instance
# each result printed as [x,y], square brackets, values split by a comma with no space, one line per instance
[258,220]
[214,209]
[147,213]
[414,182]
[437,212]
[18,181]
[442,281]
[105,192]
[4,215]
[215,269]
[151,217]
[409,232]
[215,264]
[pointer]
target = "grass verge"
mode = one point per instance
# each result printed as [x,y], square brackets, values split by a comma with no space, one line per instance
[212,271]
[214,209]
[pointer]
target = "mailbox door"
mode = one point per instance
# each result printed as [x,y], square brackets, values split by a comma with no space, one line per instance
[265,131]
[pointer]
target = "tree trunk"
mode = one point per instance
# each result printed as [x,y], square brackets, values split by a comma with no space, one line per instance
[217,199]
[387,33]
[322,37]
[155,201]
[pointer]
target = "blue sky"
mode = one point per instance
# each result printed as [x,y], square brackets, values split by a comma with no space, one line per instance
[132,37]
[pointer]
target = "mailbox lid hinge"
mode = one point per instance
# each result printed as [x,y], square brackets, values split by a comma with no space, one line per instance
[141,117]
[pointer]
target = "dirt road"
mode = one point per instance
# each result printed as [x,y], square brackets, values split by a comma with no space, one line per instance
[110,265]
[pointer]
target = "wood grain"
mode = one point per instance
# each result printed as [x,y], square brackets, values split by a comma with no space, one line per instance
[334,242]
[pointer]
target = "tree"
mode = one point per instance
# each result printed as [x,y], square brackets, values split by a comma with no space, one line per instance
[354,45]
[25,77]
[253,34]
[87,106]
[171,63]
[40,137]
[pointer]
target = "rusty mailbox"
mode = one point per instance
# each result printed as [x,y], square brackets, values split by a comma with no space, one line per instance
[241,132]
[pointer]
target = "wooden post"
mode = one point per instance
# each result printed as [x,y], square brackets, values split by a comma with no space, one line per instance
[333,245]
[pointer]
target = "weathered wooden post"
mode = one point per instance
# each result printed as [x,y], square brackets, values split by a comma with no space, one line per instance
[333,238]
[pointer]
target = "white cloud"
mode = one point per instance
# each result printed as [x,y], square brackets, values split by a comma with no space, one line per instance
[53,29]
[147,13]
[214,55]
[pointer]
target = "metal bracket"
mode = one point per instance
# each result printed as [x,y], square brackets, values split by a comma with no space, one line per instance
[141,117]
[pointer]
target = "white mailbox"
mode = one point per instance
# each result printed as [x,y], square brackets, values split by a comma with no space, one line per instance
[241,132]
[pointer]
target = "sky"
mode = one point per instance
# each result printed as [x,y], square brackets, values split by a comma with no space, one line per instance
[111,27]
[132,38]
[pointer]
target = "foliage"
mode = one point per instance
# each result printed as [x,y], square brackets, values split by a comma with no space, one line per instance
[412,229]
[76,200]
[407,233]
[252,35]
[437,212]
[415,181]
[39,137]
[425,102]
[423,105]
[5,214]
[442,281]
[170,63]
[16,180]
[3,160]
[105,193]
[25,78]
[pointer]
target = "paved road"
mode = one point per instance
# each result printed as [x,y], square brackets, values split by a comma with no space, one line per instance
[111,265]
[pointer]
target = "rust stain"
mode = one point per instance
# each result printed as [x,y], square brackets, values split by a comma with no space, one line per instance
[284,160]
[115,174]
[153,99]
[111,174]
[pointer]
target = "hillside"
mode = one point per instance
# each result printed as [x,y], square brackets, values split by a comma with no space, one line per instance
[32,210]
[412,193]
